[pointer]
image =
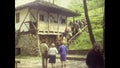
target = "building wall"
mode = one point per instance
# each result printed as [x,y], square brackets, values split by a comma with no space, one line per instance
[43,25]
[28,45]
[52,21]
[35,14]
[62,26]
[23,13]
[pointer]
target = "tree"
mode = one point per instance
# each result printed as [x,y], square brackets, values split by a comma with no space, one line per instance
[88,22]
[103,29]
[76,6]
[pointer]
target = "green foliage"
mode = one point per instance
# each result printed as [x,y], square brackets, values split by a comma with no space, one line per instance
[93,4]
[82,42]
[98,34]
[94,15]
[96,19]
[77,5]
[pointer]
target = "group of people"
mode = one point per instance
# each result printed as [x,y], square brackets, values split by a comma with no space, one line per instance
[77,25]
[50,53]
[95,57]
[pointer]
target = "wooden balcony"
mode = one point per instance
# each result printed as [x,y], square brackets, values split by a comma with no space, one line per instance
[51,28]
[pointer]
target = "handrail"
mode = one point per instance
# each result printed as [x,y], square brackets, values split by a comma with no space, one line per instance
[77,33]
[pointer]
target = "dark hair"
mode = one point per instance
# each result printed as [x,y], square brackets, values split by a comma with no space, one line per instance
[96,45]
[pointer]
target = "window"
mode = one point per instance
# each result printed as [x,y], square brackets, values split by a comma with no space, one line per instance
[17,17]
[41,17]
[63,20]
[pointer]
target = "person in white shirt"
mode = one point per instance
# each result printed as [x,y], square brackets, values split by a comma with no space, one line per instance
[52,55]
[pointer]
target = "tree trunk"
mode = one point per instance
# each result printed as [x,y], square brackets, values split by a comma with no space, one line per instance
[88,23]
[53,1]
[104,33]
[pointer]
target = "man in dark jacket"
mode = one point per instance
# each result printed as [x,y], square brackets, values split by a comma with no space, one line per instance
[95,57]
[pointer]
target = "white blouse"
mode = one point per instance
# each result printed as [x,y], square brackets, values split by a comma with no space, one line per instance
[52,51]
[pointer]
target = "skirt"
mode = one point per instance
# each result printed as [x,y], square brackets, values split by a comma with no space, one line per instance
[52,59]
[63,57]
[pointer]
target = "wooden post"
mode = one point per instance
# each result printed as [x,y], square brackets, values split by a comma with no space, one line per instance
[58,23]
[16,62]
[24,20]
[34,19]
[73,19]
[53,1]
[66,21]
[38,43]
[48,22]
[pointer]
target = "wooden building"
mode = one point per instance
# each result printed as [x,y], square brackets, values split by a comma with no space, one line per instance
[42,18]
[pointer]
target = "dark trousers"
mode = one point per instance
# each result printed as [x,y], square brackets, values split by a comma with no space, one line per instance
[73,31]
[44,61]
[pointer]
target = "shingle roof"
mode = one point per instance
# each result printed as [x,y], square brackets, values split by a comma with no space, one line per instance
[49,7]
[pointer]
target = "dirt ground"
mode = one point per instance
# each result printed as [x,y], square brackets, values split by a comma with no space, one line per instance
[36,62]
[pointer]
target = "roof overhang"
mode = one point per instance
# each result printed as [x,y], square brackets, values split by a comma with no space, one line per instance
[49,7]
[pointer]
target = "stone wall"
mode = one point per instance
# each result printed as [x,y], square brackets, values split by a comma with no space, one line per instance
[28,45]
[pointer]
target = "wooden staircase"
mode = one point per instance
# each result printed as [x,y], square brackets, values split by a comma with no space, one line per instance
[76,35]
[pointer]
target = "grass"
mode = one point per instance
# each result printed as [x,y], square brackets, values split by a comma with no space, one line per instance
[82,42]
